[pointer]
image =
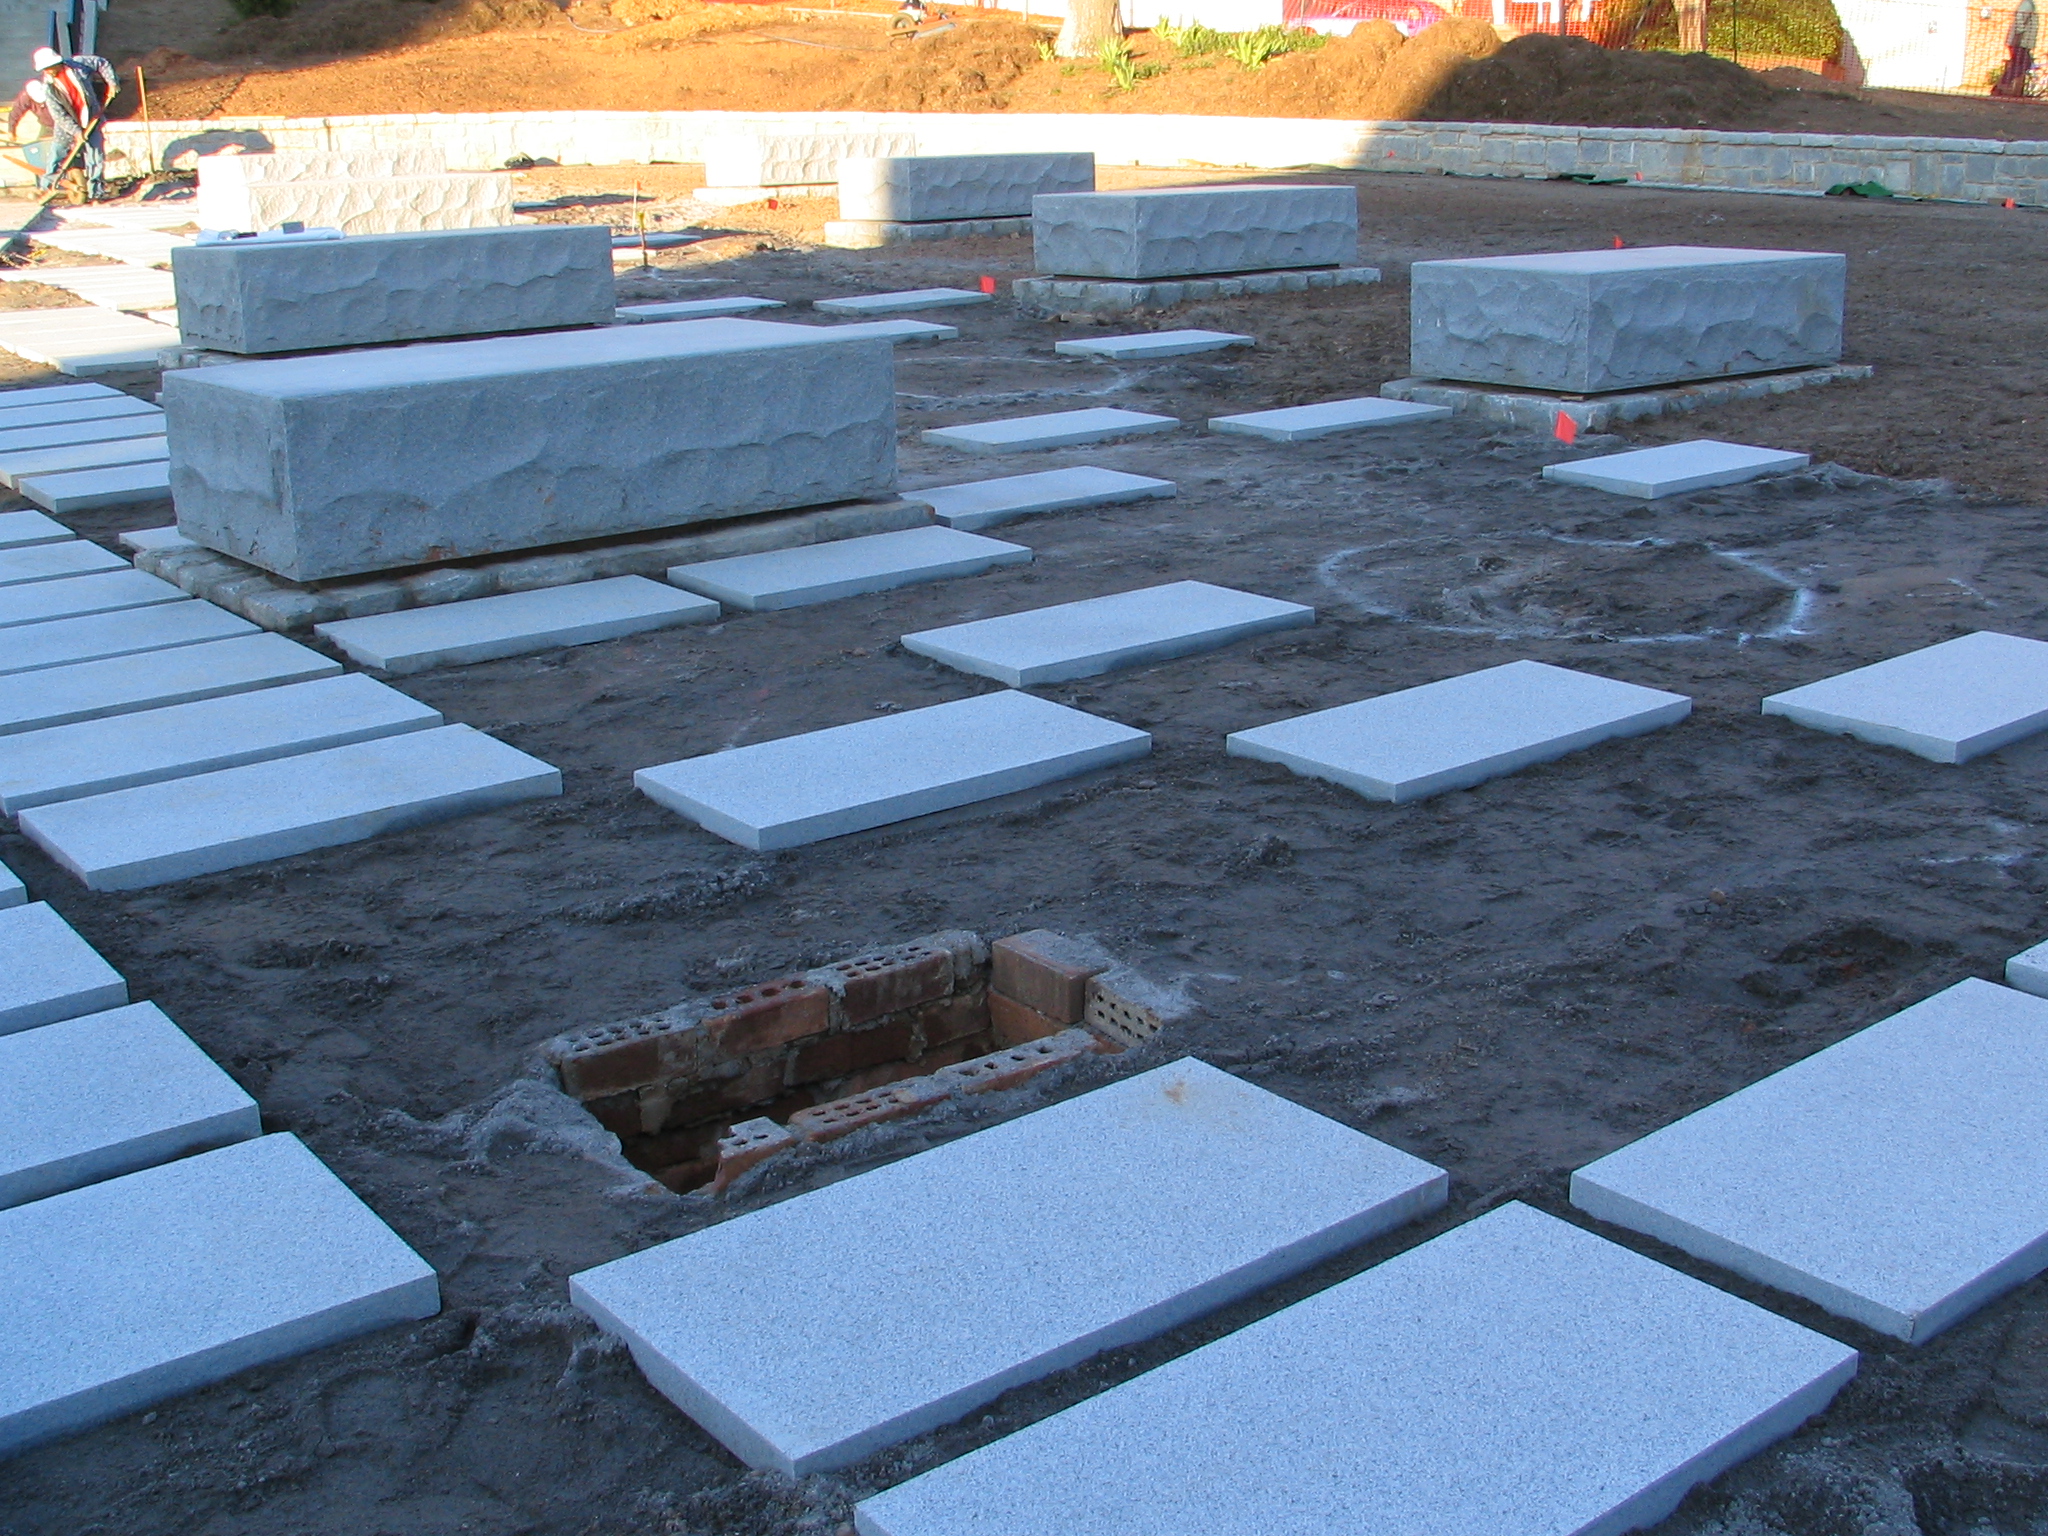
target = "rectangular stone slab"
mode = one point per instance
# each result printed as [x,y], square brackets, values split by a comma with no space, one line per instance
[1589,322]
[1299,423]
[1675,467]
[1898,1178]
[1199,1188]
[251,296]
[143,1287]
[66,434]
[44,461]
[89,340]
[21,530]
[34,602]
[520,442]
[803,789]
[1460,731]
[90,690]
[95,1097]
[1182,231]
[12,892]
[50,394]
[984,503]
[695,309]
[92,757]
[155,833]
[51,973]
[902,303]
[514,624]
[1947,703]
[1055,429]
[898,332]
[1103,634]
[95,408]
[928,188]
[81,490]
[53,562]
[1153,344]
[65,642]
[2028,971]
[147,540]
[819,573]
[1515,1374]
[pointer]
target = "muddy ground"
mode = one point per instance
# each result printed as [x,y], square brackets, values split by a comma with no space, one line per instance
[1508,981]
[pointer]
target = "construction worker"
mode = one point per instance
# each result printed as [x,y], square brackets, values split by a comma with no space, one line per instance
[73,102]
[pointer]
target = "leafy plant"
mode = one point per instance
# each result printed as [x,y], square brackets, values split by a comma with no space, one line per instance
[1254,50]
[1047,50]
[1115,56]
[1192,39]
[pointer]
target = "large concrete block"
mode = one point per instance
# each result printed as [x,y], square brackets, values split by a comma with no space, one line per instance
[803,789]
[155,833]
[1182,231]
[1587,322]
[320,467]
[139,1288]
[366,205]
[1103,634]
[923,188]
[1460,731]
[821,573]
[1097,1222]
[1948,702]
[51,973]
[984,503]
[252,296]
[793,159]
[93,757]
[1514,1375]
[91,690]
[160,627]
[1899,1178]
[95,1097]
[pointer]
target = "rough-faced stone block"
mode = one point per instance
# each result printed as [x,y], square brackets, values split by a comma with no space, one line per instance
[793,159]
[53,562]
[19,530]
[241,170]
[803,789]
[81,490]
[872,1333]
[34,602]
[1675,468]
[1587,322]
[1947,703]
[95,1097]
[367,205]
[908,301]
[514,624]
[984,503]
[1152,344]
[1055,429]
[1299,423]
[49,461]
[1461,731]
[128,839]
[65,642]
[92,757]
[1103,634]
[1181,231]
[51,973]
[1514,1374]
[819,573]
[139,1288]
[254,296]
[1899,1178]
[923,188]
[520,442]
[91,690]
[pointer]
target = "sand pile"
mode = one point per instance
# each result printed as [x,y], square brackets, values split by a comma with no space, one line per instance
[969,69]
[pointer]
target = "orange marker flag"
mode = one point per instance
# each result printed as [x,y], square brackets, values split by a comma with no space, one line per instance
[988,284]
[1567,429]
[2010,203]
[1617,242]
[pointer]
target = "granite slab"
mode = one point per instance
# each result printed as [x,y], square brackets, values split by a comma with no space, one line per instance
[1673,468]
[985,503]
[65,642]
[51,973]
[54,562]
[91,690]
[34,602]
[821,573]
[1152,344]
[83,490]
[1948,702]
[19,530]
[1300,423]
[907,302]
[1055,429]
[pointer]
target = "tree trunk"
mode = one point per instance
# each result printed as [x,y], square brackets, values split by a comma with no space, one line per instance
[1692,26]
[1089,24]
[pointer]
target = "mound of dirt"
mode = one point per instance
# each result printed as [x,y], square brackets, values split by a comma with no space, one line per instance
[332,28]
[969,69]
[1543,79]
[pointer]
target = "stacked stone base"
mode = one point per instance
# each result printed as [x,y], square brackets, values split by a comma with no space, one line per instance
[284,606]
[1538,410]
[1101,296]
[867,234]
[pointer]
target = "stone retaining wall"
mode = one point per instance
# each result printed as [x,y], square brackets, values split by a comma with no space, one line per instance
[1973,170]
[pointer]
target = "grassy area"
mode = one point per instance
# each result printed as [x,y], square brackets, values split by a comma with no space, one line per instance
[1802,28]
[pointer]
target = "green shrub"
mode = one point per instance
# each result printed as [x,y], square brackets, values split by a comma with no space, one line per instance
[1804,29]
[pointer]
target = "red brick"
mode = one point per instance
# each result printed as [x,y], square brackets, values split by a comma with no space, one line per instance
[837,1055]
[891,980]
[1015,1024]
[955,1018]
[1008,1068]
[959,1050]
[843,1116]
[774,1013]
[1038,970]
[628,1055]
[748,1145]
[1118,1017]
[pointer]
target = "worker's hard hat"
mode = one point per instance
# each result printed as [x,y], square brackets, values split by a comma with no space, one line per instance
[46,58]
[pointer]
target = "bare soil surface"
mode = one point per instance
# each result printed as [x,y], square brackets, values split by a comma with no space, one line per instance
[1509,981]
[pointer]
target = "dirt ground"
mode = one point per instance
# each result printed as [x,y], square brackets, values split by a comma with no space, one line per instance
[1509,981]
